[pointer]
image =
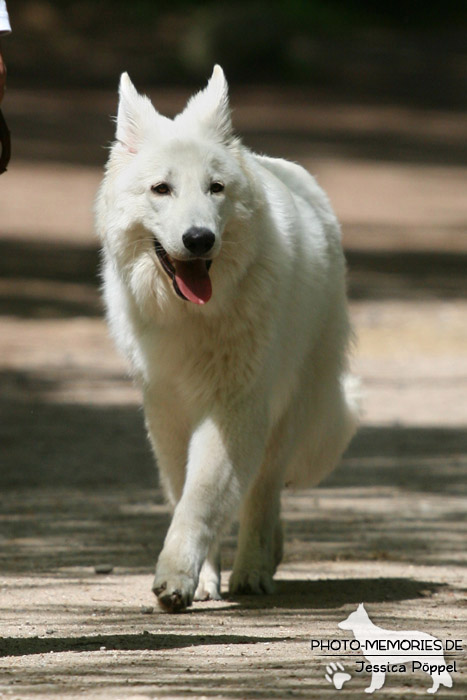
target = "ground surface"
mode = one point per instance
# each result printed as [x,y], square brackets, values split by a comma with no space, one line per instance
[78,487]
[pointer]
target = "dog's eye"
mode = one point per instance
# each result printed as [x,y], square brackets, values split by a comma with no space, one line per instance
[161,188]
[216,187]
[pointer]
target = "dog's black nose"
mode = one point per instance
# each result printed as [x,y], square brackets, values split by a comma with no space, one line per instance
[198,240]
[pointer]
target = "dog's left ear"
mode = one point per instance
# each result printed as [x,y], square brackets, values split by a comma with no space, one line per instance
[210,107]
[136,117]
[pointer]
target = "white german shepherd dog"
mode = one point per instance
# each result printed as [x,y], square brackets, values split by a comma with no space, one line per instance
[224,282]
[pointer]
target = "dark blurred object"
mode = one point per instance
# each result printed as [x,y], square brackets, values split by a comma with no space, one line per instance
[5,142]
[399,51]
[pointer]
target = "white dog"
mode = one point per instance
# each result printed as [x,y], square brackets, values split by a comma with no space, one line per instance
[224,282]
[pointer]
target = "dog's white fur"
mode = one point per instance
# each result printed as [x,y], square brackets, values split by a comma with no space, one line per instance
[250,390]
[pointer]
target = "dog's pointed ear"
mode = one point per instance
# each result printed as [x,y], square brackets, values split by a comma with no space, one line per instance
[210,107]
[135,115]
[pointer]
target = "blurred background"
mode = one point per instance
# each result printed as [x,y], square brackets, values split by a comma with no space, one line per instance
[411,51]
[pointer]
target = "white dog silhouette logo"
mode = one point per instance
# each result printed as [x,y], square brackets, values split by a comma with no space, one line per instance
[405,647]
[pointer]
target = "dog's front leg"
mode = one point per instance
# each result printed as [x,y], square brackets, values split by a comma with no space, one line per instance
[224,453]
[377,681]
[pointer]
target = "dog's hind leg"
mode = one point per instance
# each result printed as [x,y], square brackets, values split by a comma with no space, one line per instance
[443,678]
[440,678]
[435,686]
[260,540]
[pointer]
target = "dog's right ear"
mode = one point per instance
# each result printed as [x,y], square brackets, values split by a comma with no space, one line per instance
[135,116]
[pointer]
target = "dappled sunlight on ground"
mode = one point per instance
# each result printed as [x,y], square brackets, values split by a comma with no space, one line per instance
[78,484]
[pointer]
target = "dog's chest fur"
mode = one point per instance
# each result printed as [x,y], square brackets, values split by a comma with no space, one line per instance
[205,359]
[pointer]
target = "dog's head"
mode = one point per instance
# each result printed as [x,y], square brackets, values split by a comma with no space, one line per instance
[172,188]
[356,619]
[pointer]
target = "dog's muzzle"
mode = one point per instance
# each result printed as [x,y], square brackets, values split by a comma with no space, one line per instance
[190,278]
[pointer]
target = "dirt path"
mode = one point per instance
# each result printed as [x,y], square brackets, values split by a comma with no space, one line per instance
[78,486]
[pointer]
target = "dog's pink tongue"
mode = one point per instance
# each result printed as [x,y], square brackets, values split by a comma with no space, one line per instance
[193,280]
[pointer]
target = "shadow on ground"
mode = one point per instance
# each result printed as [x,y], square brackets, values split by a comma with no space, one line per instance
[128,642]
[73,493]
[50,452]
[290,596]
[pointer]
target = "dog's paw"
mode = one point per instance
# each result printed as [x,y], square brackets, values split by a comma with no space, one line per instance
[210,579]
[251,582]
[174,592]
[208,589]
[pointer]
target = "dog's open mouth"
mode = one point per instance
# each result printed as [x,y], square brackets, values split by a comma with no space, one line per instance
[190,278]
